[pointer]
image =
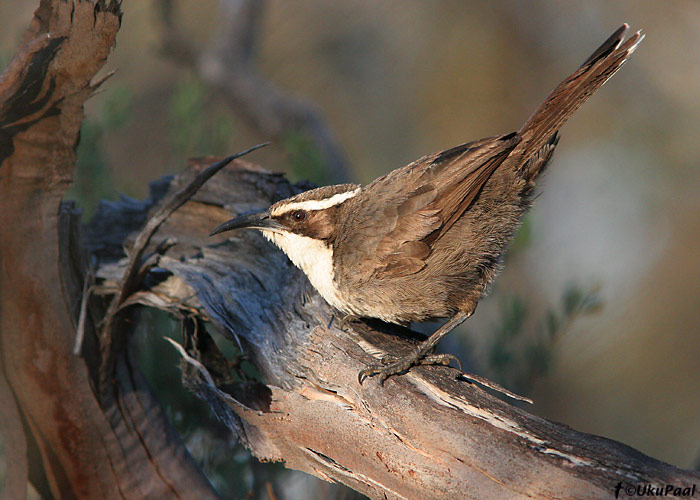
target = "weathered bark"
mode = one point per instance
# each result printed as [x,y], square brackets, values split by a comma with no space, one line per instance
[99,431]
[119,447]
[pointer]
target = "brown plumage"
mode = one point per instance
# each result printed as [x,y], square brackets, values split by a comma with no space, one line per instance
[433,244]
[424,241]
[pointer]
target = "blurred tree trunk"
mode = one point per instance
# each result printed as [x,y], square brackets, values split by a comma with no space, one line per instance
[90,420]
[117,444]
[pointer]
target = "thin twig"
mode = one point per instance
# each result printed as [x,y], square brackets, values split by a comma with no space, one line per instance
[493,385]
[200,367]
[87,292]
[129,280]
[172,204]
[270,492]
[229,66]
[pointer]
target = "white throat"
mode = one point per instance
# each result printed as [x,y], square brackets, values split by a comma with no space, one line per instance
[313,257]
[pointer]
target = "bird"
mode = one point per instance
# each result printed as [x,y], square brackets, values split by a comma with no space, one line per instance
[424,241]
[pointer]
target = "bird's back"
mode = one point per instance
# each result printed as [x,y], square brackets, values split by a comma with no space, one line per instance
[425,240]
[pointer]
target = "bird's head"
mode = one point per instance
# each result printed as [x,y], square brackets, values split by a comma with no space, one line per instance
[310,214]
[304,227]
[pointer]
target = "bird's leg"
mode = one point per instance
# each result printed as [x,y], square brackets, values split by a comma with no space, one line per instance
[420,356]
[348,318]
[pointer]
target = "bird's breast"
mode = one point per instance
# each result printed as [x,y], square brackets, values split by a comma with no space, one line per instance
[315,258]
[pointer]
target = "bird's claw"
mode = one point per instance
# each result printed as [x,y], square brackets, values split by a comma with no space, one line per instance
[386,369]
[391,365]
[349,318]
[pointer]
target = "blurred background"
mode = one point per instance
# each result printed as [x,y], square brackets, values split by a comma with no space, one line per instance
[596,315]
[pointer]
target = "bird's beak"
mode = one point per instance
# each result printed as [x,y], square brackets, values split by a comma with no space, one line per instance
[260,220]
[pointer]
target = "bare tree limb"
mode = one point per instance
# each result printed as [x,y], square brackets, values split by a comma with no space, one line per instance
[17,472]
[130,280]
[229,66]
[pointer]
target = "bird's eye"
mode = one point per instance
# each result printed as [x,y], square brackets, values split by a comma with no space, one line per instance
[299,215]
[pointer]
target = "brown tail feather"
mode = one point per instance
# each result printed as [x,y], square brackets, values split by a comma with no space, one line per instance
[575,90]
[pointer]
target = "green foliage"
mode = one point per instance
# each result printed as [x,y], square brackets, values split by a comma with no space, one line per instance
[522,349]
[575,301]
[522,238]
[92,179]
[116,108]
[304,159]
[195,131]
[513,314]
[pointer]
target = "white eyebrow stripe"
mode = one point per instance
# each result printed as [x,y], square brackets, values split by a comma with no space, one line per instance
[336,199]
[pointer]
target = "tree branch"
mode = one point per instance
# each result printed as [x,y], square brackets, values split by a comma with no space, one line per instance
[17,472]
[228,65]
[132,275]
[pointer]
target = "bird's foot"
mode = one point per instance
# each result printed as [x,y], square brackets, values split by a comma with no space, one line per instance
[394,366]
[349,318]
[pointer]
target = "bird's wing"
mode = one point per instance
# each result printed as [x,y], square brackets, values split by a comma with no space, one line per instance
[421,203]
